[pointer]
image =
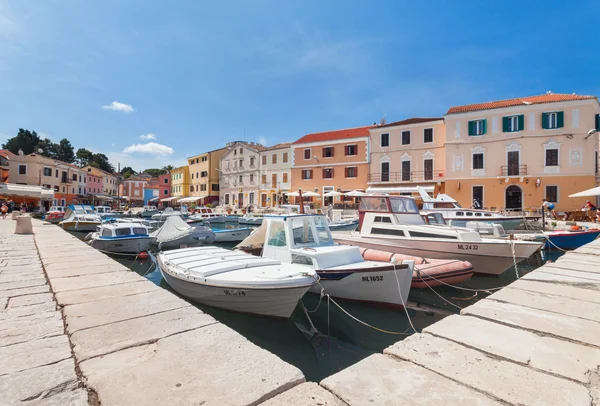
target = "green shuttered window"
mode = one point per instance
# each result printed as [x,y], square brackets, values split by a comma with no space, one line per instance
[598,122]
[555,119]
[513,123]
[477,127]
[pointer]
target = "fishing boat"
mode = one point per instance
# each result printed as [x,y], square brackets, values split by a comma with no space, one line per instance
[148,211]
[121,237]
[232,235]
[250,220]
[459,216]
[166,213]
[106,212]
[562,239]
[236,281]
[305,239]
[175,232]
[55,215]
[207,214]
[344,225]
[80,217]
[393,223]
[428,272]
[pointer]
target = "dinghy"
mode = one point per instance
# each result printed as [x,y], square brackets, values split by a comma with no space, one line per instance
[236,281]
[176,232]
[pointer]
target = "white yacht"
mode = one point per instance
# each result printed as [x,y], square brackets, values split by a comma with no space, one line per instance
[80,217]
[166,213]
[121,237]
[393,223]
[459,216]
[206,214]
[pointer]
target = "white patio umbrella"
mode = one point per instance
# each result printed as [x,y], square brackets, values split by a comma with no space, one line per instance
[333,193]
[310,194]
[292,194]
[590,192]
[355,193]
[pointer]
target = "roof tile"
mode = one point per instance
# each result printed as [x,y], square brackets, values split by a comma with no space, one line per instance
[335,135]
[520,101]
[413,120]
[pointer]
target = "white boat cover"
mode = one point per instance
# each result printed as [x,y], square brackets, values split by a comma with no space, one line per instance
[174,228]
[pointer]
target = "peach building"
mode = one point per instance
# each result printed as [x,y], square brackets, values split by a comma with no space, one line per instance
[133,189]
[204,176]
[275,174]
[514,153]
[331,161]
[408,153]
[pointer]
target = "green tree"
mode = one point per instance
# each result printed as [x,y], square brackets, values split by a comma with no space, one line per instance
[155,171]
[25,140]
[65,151]
[127,172]
[49,148]
[168,168]
[84,157]
[101,161]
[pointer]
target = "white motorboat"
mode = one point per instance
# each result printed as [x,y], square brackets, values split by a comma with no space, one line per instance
[106,212]
[176,232]
[80,217]
[393,223]
[236,281]
[232,235]
[148,211]
[121,237]
[55,215]
[344,225]
[305,239]
[151,225]
[458,216]
[207,214]
[166,213]
[250,220]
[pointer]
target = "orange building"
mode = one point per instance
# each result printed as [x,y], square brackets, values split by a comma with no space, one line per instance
[331,161]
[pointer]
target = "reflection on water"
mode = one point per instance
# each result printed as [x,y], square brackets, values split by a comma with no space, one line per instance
[329,340]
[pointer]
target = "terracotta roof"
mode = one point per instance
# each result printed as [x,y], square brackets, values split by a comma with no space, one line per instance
[336,135]
[413,120]
[520,101]
[279,146]
[6,153]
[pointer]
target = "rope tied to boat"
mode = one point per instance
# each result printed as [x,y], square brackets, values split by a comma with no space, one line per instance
[514,255]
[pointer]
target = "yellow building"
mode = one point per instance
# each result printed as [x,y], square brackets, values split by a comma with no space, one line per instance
[204,175]
[180,182]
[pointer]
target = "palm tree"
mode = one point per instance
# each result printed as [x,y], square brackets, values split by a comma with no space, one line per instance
[168,168]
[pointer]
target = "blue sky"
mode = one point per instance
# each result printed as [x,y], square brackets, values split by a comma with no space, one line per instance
[195,74]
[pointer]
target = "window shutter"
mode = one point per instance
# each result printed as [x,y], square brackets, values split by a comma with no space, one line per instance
[544,120]
[560,119]
[356,171]
[345,172]
[310,174]
[484,126]
[505,122]
[332,172]
[521,122]
[324,174]
[471,129]
[346,150]
[332,151]
[323,152]
[597,122]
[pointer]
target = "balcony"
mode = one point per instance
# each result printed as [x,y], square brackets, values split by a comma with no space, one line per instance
[513,170]
[407,176]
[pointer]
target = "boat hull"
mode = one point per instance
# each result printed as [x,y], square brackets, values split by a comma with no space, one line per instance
[570,240]
[344,226]
[79,225]
[235,235]
[122,245]
[508,224]
[276,302]
[487,257]
[255,221]
[215,219]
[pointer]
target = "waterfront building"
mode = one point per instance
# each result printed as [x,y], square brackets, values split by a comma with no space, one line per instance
[331,161]
[514,153]
[275,174]
[204,175]
[132,189]
[5,156]
[180,182]
[408,153]
[239,181]
[162,184]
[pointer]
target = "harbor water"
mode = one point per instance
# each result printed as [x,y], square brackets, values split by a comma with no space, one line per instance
[322,339]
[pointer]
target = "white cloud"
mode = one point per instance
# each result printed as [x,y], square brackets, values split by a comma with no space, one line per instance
[139,162]
[262,141]
[148,136]
[151,148]
[117,106]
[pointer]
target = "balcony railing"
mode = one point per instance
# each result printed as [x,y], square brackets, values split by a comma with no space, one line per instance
[406,176]
[513,170]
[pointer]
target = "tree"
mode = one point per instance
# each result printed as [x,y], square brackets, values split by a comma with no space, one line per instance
[101,161]
[49,148]
[168,168]
[25,140]
[84,157]
[65,151]
[155,171]
[127,172]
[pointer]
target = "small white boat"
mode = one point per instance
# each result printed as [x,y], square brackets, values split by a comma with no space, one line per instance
[148,211]
[250,220]
[166,213]
[232,235]
[151,225]
[236,281]
[106,212]
[176,232]
[344,225]
[207,214]
[55,215]
[121,237]
[80,217]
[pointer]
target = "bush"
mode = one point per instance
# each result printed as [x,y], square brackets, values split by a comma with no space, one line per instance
[209,205]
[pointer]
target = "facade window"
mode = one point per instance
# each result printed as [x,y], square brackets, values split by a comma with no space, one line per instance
[251,178]
[285,157]
[385,140]
[306,174]
[513,124]
[351,172]
[274,158]
[241,179]
[552,157]
[196,188]
[552,194]
[405,137]
[307,154]
[555,119]
[263,179]
[351,150]
[214,187]
[203,174]
[241,151]
[285,177]
[191,188]
[251,161]
[328,173]
[327,152]
[477,161]
[56,174]
[428,135]
[166,181]
[477,127]
[428,169]
[47,172]
[235,152]
[406,175]
[203,188]
[264,159]
[165,192]
[227,198]
[22,169]
[74,177]
[274,180]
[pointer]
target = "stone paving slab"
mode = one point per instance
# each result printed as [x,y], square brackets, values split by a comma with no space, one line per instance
[42,310]
[590,272]
[306,394]
[98,313]
[23,276]
[21,292]
[70,297]
[109,338]
[76,397]
[92,281]
[17,270]
[82,270]
[383,380]
[563,279]
[507,381]
[209,366]
[22,329]
[557,289]
[26,283]
[575,266]
[572,361]
[557,325]
[34,353]
[95,262]
[38,383]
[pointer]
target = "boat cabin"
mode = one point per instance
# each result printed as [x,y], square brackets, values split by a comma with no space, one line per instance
[57,209]
[122,230]
[103,210]
[79,210]
[205,212]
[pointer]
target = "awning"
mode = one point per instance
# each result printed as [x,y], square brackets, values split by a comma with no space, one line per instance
[153,199]
[590,192]
[398,189]
[125,197]
[191,199]
[12,189]
[103,197]
[169,199]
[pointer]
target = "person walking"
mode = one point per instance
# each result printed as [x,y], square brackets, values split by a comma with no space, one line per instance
[4,210]
[550,207]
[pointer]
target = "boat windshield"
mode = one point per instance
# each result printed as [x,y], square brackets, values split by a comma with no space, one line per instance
[445,205]
[403,205]
[323,231]
[302,232]
[373,203]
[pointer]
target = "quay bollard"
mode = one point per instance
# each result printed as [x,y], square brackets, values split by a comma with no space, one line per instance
[24,225]
[15,214]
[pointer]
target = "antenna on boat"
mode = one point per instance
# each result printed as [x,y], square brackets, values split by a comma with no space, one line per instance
[301,211]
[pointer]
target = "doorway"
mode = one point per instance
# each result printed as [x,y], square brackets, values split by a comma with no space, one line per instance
[263,200]
[514,198]
[405,171]
[478,195]
[512,159]
[385,171]
[240,200]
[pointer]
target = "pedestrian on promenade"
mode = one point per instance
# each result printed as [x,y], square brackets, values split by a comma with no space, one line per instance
[4,210]
[550,207]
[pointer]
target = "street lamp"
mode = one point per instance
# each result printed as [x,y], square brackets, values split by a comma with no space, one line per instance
[590,133]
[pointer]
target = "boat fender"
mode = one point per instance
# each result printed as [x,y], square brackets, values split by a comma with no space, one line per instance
[143,255]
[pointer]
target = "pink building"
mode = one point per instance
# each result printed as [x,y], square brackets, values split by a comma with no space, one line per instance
[93,184]
[133,189]
[163,184]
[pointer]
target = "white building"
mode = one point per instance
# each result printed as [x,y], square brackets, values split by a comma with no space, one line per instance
[239,174]
[275,174]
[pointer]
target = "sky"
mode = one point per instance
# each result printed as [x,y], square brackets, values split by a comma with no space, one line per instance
[150,83]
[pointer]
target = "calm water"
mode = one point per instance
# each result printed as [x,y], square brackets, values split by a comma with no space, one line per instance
[327,340]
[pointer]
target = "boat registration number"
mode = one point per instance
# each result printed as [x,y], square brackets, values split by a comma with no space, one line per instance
[233,292]
[372,278]
[468,247]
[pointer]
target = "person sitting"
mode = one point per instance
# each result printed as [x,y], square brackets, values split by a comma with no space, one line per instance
[589,206]
[476,204]
[550,207]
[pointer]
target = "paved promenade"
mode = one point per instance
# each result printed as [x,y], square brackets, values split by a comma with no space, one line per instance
[79,328]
